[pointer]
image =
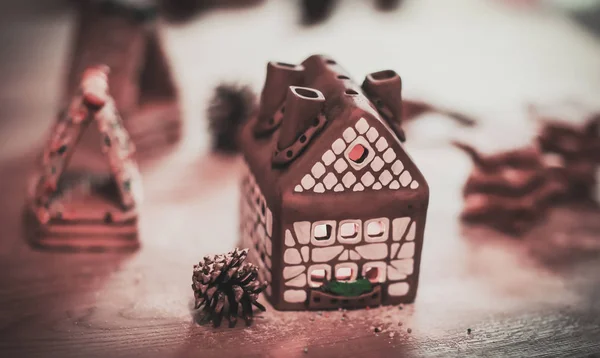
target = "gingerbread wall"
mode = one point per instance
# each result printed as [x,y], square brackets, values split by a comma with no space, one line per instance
[392,253]
[256,227]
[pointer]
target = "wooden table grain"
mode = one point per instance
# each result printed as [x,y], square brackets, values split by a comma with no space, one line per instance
[534,296]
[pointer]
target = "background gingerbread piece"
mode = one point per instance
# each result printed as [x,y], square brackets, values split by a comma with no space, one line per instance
[577,148]
[126,38]
[86,209]
[510,190]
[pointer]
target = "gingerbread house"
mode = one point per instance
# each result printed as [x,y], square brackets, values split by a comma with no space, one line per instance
[92,207]
[329,192]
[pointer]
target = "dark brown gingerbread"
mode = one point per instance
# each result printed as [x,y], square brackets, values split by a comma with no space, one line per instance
[329,192]
[86,210]
[126,39]
[510,190]
[317,11]
[578,148]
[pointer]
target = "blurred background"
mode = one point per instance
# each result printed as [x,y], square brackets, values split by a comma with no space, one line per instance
[488,59]
[485,57]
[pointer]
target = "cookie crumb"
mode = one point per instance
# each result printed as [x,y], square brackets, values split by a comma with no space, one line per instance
[391,335]
[305,349]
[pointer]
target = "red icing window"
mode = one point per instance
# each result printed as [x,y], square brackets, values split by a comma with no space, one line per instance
[358,153]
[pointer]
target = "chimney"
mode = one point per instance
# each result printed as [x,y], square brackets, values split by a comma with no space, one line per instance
[384,88]
[279,77]
[302,108]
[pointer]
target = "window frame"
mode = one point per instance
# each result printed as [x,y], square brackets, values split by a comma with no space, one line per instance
[379,265]
[380,238]
[332,236]
[351,265]
[311,268]
[353,240]
[368,159]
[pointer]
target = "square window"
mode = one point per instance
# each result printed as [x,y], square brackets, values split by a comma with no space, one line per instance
[350,231]
[318,275]
[372,274]
[377,230]
[343,274]
[323,233]
[346,272]
[374,271]
[359,153]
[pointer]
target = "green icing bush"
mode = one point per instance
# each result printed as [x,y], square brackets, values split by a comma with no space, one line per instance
[348,289]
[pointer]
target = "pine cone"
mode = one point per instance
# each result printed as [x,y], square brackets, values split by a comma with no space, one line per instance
[230,107]
[225,286]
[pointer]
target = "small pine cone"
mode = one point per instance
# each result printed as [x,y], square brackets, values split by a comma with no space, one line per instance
[226,286]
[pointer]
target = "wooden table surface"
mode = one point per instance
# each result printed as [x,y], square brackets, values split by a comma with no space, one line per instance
[534,296]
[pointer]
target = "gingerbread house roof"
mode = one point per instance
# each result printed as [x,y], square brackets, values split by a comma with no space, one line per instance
[326,134]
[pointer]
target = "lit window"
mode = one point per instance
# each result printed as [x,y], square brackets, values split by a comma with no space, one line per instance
[374,271]
[322,232]
[375,228]
[343,274]
[317,277]
[358,153]
[372,274]
[349,230]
